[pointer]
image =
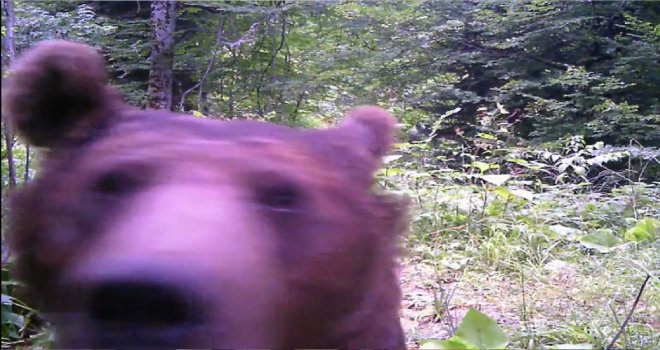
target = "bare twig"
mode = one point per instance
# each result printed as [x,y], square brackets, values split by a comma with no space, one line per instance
[527,309]
[447,296]
[625,322]
[270,64]
[214,56]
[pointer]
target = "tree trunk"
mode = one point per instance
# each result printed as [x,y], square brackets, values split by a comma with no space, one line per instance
[9,54]
[9,144]
[163,21]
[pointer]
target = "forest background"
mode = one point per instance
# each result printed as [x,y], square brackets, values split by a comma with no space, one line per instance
[529,143]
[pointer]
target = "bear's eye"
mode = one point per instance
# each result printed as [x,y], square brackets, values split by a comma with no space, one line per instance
[280,197]
[116,183]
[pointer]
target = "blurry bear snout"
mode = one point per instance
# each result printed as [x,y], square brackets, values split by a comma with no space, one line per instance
[148,304]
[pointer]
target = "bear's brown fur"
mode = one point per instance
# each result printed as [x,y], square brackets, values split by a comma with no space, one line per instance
[152,229]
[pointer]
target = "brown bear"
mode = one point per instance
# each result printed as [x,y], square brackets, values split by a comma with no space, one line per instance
[154,229]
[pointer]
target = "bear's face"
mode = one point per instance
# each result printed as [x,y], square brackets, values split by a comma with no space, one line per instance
[146,228]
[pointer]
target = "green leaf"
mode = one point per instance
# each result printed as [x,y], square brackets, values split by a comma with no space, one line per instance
[391,158]
[519,161]
[572,347]
[487,136]
[580,170]
[13,319]
[503,192]
[391,171]
[482,331]
[453,343]
[483,166]
[565,232]
[198,114]
[450,112]
[646,229]
[496,180]
[528,195]
[501,108]
[601,241]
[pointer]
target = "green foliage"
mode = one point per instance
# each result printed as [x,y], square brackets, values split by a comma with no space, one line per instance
[602,241]
[476,331]
[542,70]
[645,229]
[549,63]
[18,320]
[492,217]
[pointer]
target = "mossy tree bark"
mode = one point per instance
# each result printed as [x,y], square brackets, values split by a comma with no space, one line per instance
[163,20]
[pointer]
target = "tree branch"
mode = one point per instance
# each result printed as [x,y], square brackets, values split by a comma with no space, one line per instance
[625,322]
[219,42]
[270,64]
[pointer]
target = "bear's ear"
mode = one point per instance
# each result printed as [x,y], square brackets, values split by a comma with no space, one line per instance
[366,134]
[373,129]
[57,91]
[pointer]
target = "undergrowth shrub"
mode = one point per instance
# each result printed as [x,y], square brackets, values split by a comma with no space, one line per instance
[518,210]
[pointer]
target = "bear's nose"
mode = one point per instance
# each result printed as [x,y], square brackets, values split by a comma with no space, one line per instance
[141,304]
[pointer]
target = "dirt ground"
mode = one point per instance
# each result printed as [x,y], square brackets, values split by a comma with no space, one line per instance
[428,312]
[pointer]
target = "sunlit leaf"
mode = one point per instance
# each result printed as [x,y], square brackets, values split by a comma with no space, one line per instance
[645,229]
[503,192]
[482,331]
[390,172]
[486,136]
[601,241]
[484,166]
[453,343]
[580,170]
[501,108]
[521,193]
[391,158]
[198,114]
[496,180]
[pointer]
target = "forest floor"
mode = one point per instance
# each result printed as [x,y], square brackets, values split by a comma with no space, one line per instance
[561,303]
[559,271]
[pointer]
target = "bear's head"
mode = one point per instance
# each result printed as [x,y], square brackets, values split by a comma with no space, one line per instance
[152,229]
